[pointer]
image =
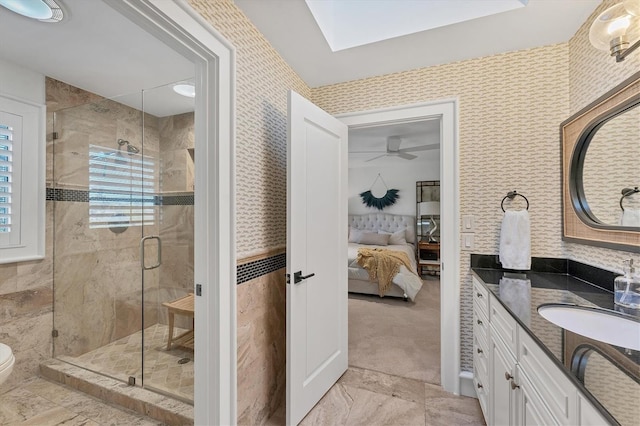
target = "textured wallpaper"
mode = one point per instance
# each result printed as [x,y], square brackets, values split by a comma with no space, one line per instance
[510,108]
[263,79]
[592,74]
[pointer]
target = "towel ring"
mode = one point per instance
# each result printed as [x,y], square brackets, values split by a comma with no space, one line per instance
[626,192]
[511,195]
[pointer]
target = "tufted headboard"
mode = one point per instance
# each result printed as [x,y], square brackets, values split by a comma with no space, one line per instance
[385,222]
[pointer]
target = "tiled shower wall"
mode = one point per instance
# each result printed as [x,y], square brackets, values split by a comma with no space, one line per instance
[98,281]
[97,275]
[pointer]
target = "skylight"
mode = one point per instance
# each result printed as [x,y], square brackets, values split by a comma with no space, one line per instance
[351,23]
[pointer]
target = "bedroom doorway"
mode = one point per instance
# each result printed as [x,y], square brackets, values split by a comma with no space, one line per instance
[441,292]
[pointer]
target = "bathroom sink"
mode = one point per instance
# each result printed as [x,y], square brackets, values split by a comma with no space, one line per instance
[595,323]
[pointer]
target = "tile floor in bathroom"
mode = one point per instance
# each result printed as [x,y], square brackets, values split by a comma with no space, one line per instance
[121,359]
[39,402]
[361,397]
[365,397]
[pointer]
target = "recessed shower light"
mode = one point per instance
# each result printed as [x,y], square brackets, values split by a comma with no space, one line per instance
[42,10]
[185,89]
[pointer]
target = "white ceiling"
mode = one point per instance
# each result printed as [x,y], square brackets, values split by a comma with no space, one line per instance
[291,29]
[97,49]
[369,142]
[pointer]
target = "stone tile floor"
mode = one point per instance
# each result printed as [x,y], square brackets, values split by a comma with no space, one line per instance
[361,397]
[39,402]
[122,358]
[366,397]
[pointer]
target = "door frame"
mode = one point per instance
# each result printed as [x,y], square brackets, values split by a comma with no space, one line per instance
[176,24]
[447,111]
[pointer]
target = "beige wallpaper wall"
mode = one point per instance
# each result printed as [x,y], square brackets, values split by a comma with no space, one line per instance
[263,79]
[592,74]
[510,108]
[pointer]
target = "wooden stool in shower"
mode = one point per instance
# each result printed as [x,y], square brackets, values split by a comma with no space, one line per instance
[182,306]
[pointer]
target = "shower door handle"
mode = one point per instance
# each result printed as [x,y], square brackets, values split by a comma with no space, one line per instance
[159,256]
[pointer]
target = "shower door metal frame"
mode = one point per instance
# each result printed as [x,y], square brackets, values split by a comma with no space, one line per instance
[180,27]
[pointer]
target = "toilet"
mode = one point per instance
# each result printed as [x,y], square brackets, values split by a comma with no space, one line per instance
[6,362]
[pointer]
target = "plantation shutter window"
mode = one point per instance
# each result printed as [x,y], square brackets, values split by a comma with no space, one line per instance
[121,188]
[10,188]
[22,179]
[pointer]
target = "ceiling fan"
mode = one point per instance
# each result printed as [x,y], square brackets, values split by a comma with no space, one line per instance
[394,150]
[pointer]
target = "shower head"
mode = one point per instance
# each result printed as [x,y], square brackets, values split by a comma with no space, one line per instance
[130,148]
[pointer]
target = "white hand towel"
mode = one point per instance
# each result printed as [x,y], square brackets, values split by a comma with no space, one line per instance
[630,217]
[516,294]
[515,241]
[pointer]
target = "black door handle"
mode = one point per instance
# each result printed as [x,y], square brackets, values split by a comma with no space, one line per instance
[298,277]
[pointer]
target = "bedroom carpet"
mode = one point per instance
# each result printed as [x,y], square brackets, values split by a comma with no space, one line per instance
[396,337]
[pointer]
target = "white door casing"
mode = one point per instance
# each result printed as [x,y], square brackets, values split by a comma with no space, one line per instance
[180,27]
[447,112]
[317,340]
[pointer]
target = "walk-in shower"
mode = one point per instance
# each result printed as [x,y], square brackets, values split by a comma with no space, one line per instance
[123,236]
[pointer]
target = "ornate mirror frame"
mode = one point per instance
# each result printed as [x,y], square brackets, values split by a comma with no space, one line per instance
[575,135]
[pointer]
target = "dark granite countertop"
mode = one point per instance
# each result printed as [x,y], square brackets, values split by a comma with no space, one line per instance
[611,377]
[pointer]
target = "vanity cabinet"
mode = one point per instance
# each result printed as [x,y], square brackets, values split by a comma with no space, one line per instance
[516,381]
[502,370]
[481,345]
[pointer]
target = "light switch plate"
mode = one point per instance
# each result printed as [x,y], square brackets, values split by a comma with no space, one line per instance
[468,223]
[467,241]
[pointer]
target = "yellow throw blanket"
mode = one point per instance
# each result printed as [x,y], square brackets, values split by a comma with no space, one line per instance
[382,265]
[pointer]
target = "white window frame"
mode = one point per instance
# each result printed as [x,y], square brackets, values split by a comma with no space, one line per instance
[29,171]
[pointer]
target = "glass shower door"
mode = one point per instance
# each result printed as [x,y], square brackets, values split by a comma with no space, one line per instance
[96,193]
[168,242]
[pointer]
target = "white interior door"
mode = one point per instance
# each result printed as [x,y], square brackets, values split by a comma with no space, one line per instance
[316,244]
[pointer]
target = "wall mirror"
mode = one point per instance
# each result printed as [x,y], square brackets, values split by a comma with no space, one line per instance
[601,153]
[428,211]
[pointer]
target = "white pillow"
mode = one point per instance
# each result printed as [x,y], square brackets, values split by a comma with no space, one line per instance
[373,238]
[396,238]
[355,234]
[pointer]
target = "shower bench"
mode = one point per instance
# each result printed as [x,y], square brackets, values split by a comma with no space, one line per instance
[181,306]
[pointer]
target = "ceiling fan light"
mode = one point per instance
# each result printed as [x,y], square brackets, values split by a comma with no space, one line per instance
[41,10]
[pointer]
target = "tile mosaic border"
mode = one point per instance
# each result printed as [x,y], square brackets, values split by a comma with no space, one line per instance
[82,196]
[252,270]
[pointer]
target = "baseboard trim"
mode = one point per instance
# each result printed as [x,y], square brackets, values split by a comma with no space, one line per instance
[466,384]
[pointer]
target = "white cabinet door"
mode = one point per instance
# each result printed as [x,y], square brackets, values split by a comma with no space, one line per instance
[531,409]
[316,244]
[588,415]
[502,366]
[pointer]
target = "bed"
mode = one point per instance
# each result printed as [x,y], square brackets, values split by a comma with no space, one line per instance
[405,283]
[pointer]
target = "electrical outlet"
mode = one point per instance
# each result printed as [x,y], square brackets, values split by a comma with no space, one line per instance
[467,241]
[468,223]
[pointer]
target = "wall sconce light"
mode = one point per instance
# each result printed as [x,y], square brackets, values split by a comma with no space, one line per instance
[609,31]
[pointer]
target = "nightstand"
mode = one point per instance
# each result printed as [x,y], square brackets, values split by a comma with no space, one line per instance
[428,257]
